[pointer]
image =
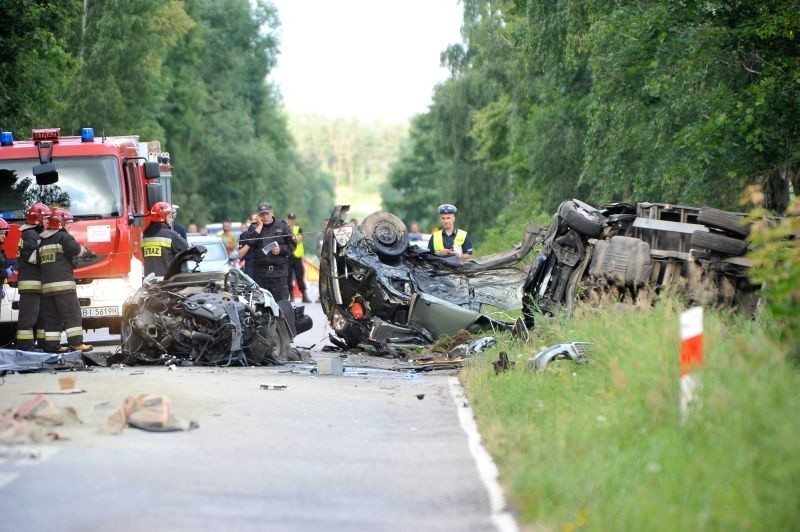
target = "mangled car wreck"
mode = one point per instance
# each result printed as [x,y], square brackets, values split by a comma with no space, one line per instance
[374,288]
[208,318]
[377,290]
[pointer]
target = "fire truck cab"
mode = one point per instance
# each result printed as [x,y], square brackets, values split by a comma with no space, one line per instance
[109,185]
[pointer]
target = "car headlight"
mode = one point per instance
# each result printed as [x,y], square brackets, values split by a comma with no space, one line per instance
[338,321]
[343,235]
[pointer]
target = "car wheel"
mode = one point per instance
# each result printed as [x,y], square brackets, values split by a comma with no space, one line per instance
[719,243]
[727,221]
[387,232]
[583,219]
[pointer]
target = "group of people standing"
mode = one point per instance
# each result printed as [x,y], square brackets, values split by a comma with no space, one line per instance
[48,298]
[271,248]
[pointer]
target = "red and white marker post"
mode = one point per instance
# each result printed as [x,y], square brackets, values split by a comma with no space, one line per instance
[691,357]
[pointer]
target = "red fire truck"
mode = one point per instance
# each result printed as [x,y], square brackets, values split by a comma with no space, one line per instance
[108,184]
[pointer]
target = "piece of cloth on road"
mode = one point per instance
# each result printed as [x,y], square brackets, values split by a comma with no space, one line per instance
[33,421]
[152,413]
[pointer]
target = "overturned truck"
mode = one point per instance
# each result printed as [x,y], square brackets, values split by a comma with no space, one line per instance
[377,290]
[625,251]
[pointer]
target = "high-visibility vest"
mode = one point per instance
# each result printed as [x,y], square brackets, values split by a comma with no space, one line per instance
[299,251]
[438,240]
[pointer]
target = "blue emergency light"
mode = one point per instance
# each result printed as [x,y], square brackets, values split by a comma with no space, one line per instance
[87,134]
[6,138]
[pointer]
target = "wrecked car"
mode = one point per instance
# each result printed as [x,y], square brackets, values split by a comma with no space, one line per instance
[375,289]
[623,252]
[208,318]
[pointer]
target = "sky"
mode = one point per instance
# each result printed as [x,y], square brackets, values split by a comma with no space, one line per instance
[376,60]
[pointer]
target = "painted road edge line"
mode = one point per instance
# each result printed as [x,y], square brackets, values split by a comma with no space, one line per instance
[487,470]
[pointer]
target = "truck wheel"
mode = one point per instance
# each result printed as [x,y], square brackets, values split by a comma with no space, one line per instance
[719,243]
[387,232]
[583,220]
[727,221]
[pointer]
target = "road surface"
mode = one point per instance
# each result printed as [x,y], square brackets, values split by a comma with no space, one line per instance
[368,450]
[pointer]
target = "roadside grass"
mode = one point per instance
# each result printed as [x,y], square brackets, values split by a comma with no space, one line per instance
[601,446]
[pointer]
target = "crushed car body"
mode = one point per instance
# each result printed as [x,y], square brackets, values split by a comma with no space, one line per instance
[208,318]
[378,290]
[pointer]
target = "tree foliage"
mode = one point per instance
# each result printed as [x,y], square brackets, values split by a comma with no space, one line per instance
[610,101]
[191,73]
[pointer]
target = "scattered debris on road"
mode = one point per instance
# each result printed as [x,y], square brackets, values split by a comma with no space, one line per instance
[502,363]
[152,413]
[576,351]
[33,421]
[273,386]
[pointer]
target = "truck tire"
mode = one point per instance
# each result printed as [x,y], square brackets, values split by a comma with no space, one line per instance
[727,221]
[584,221]
[719,243]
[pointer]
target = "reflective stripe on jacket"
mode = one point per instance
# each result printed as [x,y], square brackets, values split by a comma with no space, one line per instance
[438,240]
[57,251]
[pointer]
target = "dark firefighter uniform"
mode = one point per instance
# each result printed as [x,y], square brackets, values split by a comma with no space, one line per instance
[160,245]
[271,270]
[60,308]
[29,286]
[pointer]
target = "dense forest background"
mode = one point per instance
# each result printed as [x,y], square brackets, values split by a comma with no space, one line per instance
[193,74]
[676,102]
[679,102]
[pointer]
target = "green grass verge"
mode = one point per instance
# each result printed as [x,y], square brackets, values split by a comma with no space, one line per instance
[601,446]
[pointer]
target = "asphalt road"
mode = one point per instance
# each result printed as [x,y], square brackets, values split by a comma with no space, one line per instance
[368,450]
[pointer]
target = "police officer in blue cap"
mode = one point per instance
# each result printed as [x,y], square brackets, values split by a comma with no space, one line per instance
[450,241]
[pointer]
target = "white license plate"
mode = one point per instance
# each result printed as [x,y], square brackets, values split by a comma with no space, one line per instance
[99,312]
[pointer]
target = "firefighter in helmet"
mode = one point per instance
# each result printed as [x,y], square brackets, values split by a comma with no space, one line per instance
[57,254]
[29,279]
[160,244]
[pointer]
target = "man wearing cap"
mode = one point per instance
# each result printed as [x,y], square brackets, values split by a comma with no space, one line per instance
[271,243]
[296,270]
[450,241]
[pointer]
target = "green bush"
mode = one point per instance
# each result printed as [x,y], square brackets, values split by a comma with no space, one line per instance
[775,253]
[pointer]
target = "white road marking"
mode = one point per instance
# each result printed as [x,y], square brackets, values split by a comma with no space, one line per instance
[7,478]
[487,470]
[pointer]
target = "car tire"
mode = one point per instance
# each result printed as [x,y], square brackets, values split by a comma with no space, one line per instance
[719,243]
[387,232]
[582,220]
[727,221]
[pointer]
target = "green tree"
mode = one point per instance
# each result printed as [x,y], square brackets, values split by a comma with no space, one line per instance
[37,62]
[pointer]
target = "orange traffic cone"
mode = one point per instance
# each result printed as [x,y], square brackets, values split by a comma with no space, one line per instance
[296,291]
